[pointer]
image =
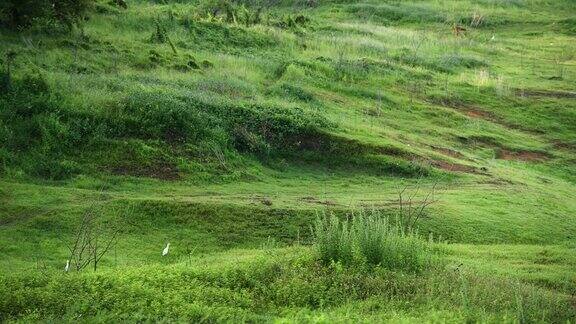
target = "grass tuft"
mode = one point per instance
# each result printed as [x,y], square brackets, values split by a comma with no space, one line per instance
[370,238]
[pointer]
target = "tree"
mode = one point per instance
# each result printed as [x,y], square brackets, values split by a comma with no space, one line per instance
[92,240]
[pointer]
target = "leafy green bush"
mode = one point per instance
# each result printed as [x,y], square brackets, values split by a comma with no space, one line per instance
[370,238]
[23,13]
[395,13]
[222,37]
[22,103]
[157,115]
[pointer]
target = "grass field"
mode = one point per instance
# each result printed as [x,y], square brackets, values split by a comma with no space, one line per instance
[230,128]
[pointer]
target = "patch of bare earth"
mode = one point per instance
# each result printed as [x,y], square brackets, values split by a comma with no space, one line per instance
[526,156]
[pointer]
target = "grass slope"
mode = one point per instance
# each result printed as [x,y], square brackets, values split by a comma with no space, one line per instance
[227,139]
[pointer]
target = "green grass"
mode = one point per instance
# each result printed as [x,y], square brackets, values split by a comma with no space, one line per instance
[275,284]
[228,139]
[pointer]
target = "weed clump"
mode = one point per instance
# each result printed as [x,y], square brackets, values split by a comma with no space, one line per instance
[370,238]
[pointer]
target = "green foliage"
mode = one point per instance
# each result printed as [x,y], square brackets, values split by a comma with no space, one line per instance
[252,286]
[224,38]
[333,239]
[396,13]
[24,13]
[227,125]
[370,238]
[567,26]
[159,116]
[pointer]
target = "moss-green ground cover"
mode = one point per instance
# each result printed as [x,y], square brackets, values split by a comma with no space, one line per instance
[227,137]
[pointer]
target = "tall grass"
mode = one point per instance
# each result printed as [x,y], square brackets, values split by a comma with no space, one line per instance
[370,238]
[333,239]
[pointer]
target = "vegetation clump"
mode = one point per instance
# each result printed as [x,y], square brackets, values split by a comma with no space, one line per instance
[24,13]
[372,239]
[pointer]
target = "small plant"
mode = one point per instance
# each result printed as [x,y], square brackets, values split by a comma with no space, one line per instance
[477,19]
[333,240]
[410,210]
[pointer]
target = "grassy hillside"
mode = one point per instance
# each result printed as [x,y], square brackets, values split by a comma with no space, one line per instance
[228,128]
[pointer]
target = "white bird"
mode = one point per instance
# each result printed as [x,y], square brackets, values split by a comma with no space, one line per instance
[166,249]
[493,38]
[67,267]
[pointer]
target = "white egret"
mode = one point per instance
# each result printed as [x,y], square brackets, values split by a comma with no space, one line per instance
[166,249]
[493,38]
[67,267]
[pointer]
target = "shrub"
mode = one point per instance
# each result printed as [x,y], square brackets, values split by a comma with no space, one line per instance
[372,239]
[53,169]
[333,239]
[24,13]
[157,115]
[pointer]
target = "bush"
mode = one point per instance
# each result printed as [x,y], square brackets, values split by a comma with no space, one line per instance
[371,239]
[53,169]
[157,115]
[333,239]
[24,13]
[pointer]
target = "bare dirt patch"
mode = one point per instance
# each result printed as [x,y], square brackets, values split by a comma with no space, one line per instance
[477,113]
[526,156]
[465,108]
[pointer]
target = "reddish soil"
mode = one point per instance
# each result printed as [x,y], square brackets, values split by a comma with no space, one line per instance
[527,156]
[477,113]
